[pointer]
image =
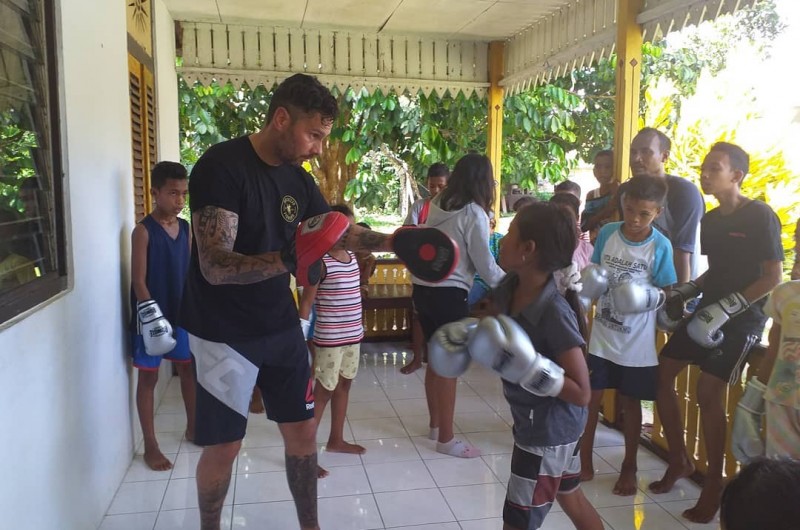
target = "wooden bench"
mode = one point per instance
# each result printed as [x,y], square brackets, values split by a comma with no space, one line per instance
[388,309]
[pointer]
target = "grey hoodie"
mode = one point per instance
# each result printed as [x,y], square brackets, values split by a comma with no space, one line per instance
[469,228]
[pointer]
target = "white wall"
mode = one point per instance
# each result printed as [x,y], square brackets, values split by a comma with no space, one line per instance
[64,381]
[167,81]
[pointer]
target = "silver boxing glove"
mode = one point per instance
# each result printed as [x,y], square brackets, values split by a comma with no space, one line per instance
[500,344]
[637,297]
[447,349]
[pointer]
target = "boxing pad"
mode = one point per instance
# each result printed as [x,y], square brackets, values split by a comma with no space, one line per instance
[313,239]
[428,253]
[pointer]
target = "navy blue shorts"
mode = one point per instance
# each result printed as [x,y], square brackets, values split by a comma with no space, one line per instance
[179,354]
[637,382]
[227,372]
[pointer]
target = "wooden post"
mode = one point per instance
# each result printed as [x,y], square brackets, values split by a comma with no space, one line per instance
[629,76]
[494,145]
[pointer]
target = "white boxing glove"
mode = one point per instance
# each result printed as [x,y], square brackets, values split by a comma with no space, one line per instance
[156,330]
[637,297]
[499,343]
[704,328]
[595,281]
[746,441]
[447,349]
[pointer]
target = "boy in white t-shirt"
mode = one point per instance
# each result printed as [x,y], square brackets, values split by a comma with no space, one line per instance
[622,348]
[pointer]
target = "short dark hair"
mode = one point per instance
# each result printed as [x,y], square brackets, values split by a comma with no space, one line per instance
[646,188]
[362,224]
[438,169]
[568,201]
[663,140]
[762,495]
[524,201]
[472,180]
[343,209]
[303,93]
[166,170]
[568,186]
[604,152]
[738,157]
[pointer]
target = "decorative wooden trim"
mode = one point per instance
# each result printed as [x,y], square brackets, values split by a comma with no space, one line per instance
[584,31]
[264,55]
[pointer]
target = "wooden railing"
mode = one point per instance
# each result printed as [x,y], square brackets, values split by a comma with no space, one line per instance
[387,308]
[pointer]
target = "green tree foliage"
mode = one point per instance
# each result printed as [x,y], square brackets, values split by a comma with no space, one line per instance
[17,143]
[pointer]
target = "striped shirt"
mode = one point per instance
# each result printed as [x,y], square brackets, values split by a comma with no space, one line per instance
[338,304]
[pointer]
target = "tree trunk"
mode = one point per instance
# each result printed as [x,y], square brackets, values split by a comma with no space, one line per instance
[332,172]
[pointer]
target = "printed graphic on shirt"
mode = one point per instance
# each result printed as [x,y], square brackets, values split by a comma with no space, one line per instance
[784,383]
[628,340]
[289,208]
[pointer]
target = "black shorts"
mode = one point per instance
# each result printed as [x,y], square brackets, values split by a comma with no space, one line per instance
[637,382]
[725,361]
[438,306]
[227,372]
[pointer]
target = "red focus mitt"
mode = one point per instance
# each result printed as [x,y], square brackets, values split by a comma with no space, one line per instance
[430,254]
[313,239]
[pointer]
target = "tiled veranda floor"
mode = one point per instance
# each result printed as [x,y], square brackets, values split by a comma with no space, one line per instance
[401,482]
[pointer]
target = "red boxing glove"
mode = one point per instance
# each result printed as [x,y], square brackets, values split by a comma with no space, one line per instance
[430,254]
[314,238]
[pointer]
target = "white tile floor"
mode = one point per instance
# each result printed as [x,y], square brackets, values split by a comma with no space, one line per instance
[400,483]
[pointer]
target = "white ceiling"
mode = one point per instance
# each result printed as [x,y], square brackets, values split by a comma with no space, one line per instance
[463,19]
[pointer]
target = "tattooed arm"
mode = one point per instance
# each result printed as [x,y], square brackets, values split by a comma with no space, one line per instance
[215,232]
[357,238]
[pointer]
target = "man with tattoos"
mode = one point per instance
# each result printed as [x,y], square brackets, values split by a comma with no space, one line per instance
[247,196]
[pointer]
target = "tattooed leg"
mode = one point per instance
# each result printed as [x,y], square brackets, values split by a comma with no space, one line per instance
[213,479]
[301,469]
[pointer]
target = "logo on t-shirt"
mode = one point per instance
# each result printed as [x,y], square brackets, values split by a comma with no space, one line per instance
[289,208]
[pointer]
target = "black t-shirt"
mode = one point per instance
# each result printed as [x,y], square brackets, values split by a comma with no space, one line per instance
[736,245]
[270,202]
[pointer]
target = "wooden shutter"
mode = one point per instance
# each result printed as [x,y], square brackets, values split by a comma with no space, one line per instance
[143,133]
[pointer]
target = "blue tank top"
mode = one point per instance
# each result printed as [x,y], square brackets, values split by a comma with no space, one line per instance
[167,264]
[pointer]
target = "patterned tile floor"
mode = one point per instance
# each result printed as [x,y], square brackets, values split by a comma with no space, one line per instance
[400,483]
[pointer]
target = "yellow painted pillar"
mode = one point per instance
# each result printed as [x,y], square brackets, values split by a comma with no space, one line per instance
[494,145]
[629,76]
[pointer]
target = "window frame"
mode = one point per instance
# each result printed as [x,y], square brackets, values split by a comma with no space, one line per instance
[16,302]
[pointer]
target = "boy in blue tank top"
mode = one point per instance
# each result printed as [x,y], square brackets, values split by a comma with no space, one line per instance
[159,262]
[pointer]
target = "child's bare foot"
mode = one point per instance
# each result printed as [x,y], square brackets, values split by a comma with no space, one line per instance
[322,472]
[707,505]
[156,460]
[189,435]
[673,474]
[411,367]
[626,483]
[345,447]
